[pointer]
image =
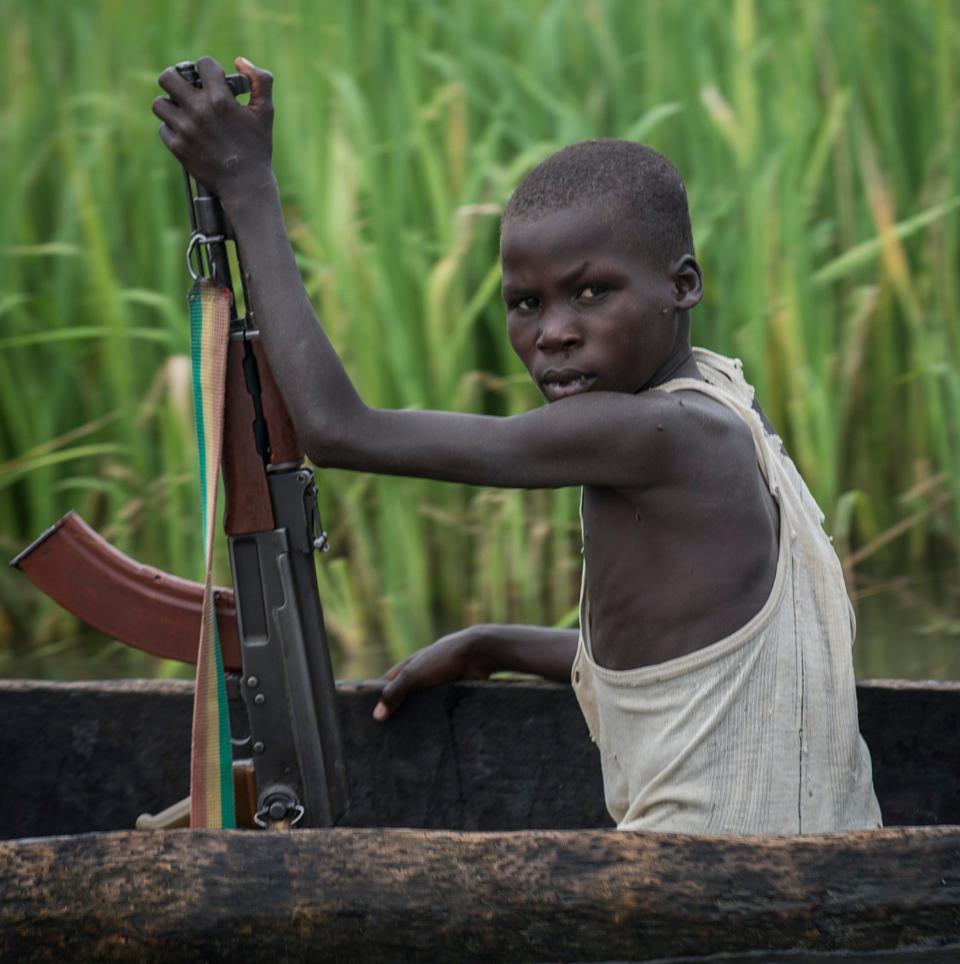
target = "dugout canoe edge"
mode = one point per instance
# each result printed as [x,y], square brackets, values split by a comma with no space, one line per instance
[395,895]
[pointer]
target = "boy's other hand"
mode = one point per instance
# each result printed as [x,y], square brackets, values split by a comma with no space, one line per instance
[450,658]
[226,146]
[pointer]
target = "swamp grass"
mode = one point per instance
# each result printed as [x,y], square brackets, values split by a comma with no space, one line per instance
[819,142]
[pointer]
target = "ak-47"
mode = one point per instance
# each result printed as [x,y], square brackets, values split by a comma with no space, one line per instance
[271,627]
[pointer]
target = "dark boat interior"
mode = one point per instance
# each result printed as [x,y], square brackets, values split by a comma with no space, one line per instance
[506,755]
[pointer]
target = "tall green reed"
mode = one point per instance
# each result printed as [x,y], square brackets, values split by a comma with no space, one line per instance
[819,144]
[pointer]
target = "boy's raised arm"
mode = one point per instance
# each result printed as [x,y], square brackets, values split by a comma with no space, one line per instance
[228,148]
[600,438]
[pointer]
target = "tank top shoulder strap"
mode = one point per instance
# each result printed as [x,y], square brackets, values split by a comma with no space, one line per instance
[723,381]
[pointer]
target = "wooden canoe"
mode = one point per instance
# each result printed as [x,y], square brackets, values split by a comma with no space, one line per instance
[477,831]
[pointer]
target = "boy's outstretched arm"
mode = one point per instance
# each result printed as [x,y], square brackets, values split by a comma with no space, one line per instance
[475,653]
[593,438]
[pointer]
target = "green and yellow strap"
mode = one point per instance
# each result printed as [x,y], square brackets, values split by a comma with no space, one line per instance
[211,761]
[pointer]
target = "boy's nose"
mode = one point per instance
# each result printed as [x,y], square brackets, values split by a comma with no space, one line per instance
[558,334]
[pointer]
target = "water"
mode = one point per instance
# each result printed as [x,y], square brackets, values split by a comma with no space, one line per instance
[908,627]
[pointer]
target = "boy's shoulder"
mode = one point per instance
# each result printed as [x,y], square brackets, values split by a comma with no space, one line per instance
[710,415]
[710,438]
[703,449]
[703,429]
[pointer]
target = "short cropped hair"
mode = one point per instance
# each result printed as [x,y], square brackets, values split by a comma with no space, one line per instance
[631,182]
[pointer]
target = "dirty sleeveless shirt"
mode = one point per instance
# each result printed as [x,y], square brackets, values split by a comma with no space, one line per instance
[758,732]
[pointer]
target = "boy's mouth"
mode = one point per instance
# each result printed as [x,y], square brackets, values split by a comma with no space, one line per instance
[565,382]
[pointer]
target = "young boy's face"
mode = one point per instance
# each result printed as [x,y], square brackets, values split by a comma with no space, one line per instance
[585,311]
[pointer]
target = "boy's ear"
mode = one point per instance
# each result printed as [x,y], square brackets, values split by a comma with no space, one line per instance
[687,282]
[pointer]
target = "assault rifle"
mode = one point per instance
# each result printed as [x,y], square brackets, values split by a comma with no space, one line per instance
[271,626]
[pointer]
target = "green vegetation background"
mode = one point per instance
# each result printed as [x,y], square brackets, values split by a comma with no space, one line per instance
[819,143]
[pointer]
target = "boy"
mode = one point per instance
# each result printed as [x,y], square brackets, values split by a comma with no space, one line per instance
[713,664]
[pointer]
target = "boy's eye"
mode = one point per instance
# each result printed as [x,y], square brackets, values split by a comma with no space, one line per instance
[529,303]
[590,292]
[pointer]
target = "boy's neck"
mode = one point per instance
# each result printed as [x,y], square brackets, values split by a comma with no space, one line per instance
[680,364]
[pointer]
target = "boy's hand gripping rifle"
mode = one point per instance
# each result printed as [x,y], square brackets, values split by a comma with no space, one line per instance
[273,529]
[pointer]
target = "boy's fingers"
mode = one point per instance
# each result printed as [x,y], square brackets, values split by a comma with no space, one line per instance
[392,693]
[210,72]
[261,82]
[175,86]
[395,669]
[165,109]
[391,696]
[214,82]
[167,136]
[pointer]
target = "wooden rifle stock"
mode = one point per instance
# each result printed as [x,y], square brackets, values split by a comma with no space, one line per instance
[247,506]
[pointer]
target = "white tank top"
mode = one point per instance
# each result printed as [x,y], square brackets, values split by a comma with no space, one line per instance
[758,732]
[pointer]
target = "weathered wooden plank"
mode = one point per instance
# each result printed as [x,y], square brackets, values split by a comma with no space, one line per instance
[92,756]
[381,895]
[501,756]
[913,731]
[481,756]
